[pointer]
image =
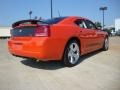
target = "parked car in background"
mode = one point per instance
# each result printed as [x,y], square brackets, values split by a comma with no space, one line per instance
[113,33]
[118,33]
[63,38]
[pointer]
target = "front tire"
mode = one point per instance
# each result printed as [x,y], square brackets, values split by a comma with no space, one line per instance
[106,44]
[71,54]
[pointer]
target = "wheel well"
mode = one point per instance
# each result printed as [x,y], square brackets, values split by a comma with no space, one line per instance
[107,36]
[73,38]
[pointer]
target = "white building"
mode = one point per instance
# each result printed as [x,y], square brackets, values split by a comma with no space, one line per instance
[5,32]
[117,24]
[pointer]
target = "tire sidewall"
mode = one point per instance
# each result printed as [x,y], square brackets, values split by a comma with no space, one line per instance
[104,47]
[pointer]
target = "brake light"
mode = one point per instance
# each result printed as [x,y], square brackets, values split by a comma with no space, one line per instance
[42,31]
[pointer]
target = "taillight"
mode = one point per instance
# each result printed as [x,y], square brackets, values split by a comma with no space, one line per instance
[42,31]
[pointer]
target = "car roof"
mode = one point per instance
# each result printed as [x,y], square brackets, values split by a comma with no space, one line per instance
[76,17]
[67,20]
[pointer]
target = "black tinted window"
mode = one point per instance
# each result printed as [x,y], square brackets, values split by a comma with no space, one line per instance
[80,23]
[24,31]
[90,25]
[53,21]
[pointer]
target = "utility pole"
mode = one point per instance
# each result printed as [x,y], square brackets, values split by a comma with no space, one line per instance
[103,9]
[51,8]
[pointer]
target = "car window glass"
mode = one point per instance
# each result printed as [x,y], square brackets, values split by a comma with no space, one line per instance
[80,23]
[53,20]
[90,25]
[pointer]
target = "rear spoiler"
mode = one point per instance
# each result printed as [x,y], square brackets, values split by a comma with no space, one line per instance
[31,21]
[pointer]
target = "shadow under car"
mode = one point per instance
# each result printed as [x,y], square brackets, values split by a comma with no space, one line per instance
[53,65]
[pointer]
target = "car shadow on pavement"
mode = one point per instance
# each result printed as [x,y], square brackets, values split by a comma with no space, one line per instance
[84,57]
[48,65]
[53,65]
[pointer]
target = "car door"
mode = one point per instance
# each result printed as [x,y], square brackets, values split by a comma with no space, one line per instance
[86,36]
[95,38]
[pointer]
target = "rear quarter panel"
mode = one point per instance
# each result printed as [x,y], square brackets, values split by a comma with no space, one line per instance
[60,34]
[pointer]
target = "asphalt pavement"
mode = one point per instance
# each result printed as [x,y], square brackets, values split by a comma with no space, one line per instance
[99,70]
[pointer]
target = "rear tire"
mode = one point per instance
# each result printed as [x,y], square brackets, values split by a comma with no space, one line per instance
[106,44]
[72,54]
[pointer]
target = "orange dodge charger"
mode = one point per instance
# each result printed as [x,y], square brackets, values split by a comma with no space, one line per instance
[62,38]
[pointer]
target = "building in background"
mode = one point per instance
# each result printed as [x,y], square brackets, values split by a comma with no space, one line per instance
[114,29]
[117,24]
[5,32]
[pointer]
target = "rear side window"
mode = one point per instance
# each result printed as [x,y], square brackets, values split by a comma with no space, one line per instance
[22,32]
[80,23]
[53,21]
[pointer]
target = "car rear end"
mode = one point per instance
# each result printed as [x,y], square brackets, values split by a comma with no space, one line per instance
[36,39]
[29,39]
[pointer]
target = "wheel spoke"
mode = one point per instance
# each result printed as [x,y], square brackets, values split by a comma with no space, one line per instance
[76,56]
[75,48]
[72,60]
[72,47]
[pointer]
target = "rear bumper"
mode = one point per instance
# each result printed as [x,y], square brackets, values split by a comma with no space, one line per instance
[36,48]
[31,55]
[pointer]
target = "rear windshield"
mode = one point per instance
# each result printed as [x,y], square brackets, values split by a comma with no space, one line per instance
[47,21]
[53,21]
[23,31]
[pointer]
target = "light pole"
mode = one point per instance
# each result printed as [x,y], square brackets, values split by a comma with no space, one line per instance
[30,13]
[103,9]
[51,8]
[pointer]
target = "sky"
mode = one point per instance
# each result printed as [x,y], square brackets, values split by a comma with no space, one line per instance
[14,10]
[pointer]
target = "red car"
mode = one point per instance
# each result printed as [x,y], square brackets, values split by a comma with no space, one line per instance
[62,38]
